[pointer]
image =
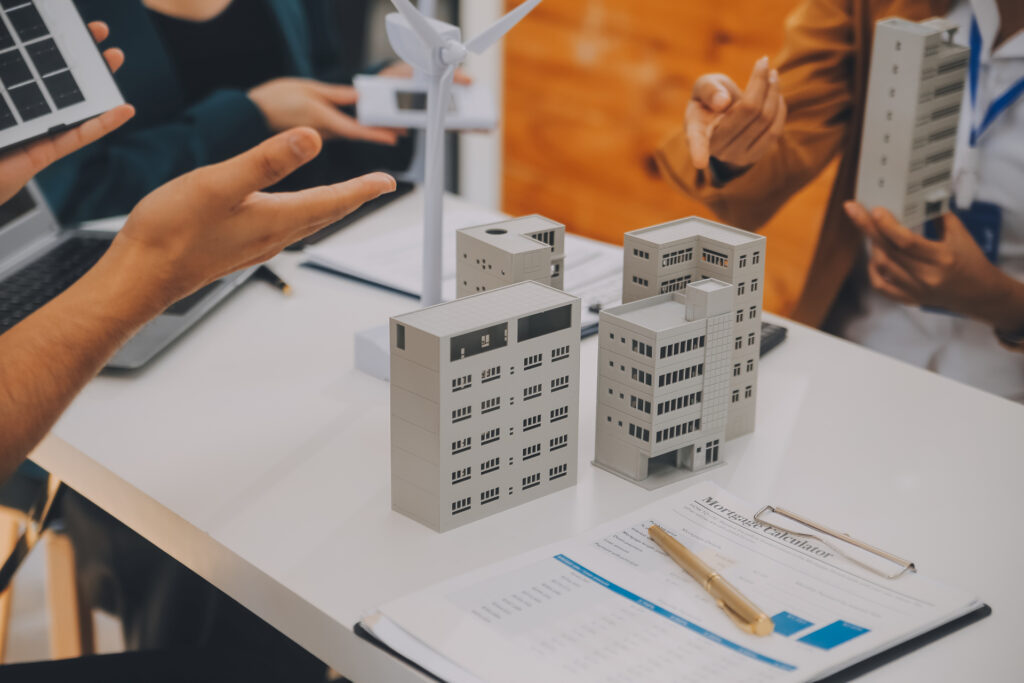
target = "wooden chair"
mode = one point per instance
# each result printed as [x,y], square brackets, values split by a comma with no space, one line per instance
[70,619]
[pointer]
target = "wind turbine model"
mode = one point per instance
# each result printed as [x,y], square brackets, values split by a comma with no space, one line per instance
[434,49]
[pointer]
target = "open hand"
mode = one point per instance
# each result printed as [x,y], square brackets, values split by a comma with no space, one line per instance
[951,273]
[290,102]
[20,165]
[737,128]
[214,220]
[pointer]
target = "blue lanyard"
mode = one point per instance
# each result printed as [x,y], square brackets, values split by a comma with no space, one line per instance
[1001,103]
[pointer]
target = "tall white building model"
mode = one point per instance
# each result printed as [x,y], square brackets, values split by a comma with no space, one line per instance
[915,91]
[516,250]
[484,403]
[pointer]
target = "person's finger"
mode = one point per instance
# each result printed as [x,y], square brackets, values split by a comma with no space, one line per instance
[463,78]
[699,126]
[890,290]
[748,107]
[862,220]
[338,124]
[44,152]
[341,95]
[905,242]
[893,272]
[310,210]
[99,30]
[716,92]
[761,123]
[765,142]
[114,57]
[267,163]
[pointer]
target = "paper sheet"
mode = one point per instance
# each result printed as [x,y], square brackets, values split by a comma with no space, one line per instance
[611,606]
[593,270]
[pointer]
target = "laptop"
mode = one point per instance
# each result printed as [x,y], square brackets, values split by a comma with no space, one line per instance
[39,260]
[52,72]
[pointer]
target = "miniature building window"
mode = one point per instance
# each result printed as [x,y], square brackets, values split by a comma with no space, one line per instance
[490,436]
[675,284]
[400,337]
[678,256]
[736,370]
[735,395]
[490,405]
[461,414]
[741,288]
[489,495]
[533,391]
[462,445]
[559,414]
[640,281]
[490,374]
[752,313]
[560,383]
[750,365]
[739,343]
[702,341]
[743,260]
[531,423]
[561,352]
[715,258]
[490,465]
[479,341]
[546,322]
[557,471]
[460,383]
[756,258]
[739,316]
[753,285]
[748,392]
[640,253]
[461,505]
[533,361]
[556,443]
[531,481]
[750,339]
[531,451]
[711,452]
[461,475]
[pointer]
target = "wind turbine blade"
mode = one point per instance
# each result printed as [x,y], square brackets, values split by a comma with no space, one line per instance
[419,24]
[502,26]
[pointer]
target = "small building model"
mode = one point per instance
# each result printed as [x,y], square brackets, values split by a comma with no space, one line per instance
[666,258]
[663,383]
[516,250]
[915,91]
[484,403]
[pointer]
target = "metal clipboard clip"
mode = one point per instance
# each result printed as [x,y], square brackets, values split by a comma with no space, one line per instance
[905,565]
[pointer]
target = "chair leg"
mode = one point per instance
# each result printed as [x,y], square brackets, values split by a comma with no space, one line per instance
[10,529]
[71,626]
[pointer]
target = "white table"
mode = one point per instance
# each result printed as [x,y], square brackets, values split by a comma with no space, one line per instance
[256,455]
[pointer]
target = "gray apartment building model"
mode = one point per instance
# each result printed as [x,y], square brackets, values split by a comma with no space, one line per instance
[915,90]
[677,361]
[516,250]
[484,403]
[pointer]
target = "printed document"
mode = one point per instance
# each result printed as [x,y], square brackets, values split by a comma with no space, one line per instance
[611,606]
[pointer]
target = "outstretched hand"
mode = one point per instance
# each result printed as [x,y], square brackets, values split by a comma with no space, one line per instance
[215,220]
[20,165]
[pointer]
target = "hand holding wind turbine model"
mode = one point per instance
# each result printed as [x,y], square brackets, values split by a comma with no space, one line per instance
[434,49]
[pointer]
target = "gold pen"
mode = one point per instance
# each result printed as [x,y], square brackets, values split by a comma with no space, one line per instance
[744,613]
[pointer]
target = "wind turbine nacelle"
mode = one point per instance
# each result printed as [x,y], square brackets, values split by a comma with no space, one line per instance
[409,46]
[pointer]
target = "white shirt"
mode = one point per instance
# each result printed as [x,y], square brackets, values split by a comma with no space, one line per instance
[960,348]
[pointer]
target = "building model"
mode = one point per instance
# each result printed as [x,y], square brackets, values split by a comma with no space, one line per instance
[516,250]
[678,361]
[911,117]
[484,403]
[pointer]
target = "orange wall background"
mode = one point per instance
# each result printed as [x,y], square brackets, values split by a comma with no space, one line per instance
[592,87]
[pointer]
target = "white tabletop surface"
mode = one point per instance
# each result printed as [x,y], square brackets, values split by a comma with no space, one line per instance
[254,453]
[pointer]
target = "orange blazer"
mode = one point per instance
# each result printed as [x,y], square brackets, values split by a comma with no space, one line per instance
[823,73]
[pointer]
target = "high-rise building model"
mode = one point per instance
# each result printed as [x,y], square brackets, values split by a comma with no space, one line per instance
[663,383]
[915,91]
[484,403]
[516,250]
[666,258]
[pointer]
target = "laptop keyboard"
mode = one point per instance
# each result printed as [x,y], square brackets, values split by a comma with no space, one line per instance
[36,79]
[43,279]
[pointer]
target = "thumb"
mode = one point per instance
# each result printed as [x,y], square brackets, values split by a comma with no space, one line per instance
[716,92]
[263,165]
[953,228]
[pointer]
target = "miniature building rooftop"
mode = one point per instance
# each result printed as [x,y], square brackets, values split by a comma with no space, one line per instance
[693,226]
[710,285]
[509,235]
[655,317]
[478,310]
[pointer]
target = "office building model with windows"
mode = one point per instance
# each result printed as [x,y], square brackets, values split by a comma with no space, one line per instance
[911,116]
[516,250]
[666,258]
[484,403]
[663,383]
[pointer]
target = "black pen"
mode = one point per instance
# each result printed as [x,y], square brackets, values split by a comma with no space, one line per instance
[267,275]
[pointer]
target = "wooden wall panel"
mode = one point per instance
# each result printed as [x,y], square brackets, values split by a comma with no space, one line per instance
[591,89]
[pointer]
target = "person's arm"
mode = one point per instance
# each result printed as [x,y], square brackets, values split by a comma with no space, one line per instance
[181,237]
[815,69]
